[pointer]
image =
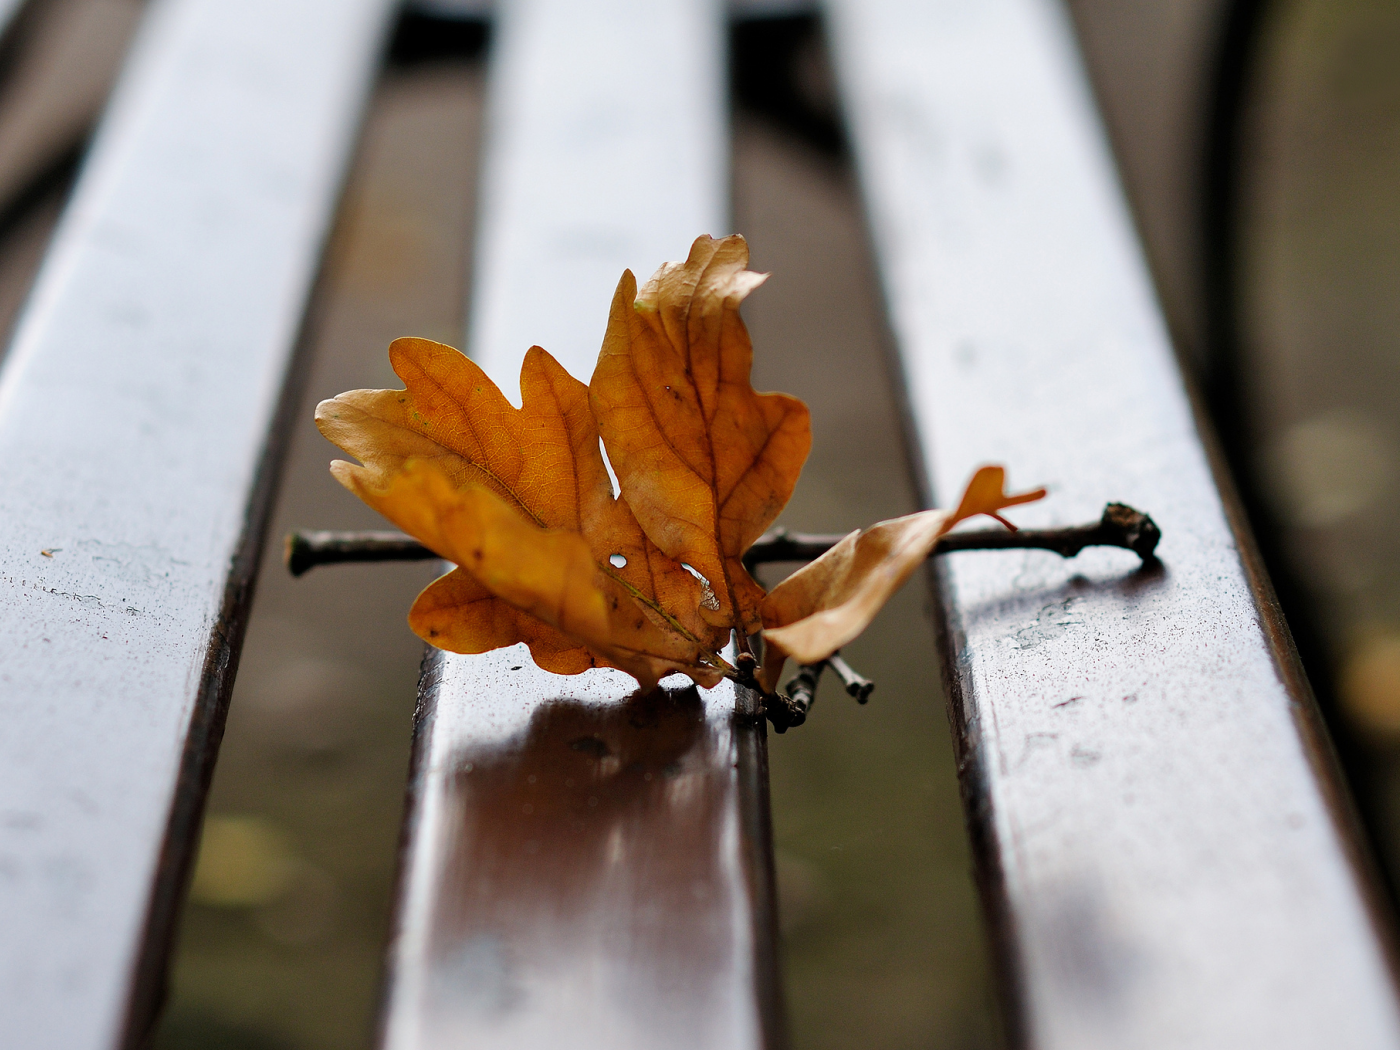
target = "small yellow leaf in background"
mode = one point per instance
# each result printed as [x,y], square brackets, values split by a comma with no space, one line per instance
[704,461]
[830,601]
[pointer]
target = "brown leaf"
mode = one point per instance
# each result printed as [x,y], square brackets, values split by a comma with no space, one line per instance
[458,613]
[829,601]
[543,459]
[704,461]
[548,576]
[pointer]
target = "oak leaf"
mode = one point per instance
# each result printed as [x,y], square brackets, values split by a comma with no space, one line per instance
[542,463]
[705,462]
[831,600]
[518,582]
[651,581]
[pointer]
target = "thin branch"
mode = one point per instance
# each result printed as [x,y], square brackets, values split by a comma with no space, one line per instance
[802,689]
[1120,526]
[306,548]
[856,684]
[779,709]
[789,709]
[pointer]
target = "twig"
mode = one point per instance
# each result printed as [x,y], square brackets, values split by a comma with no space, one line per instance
[856,685]
[786,711]
[790,709]
[802,688]
[1120,526]
[305,548]
[783,711]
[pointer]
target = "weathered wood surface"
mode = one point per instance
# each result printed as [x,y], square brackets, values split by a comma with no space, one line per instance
[135,408]
[1163,847]
[583,867]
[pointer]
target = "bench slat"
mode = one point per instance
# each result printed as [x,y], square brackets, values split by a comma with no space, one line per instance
[582,869]
[1162,847]
[135,408]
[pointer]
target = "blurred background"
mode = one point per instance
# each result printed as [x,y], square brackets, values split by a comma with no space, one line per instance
[1259,147]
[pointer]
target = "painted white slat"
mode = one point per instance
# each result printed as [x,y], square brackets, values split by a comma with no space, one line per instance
[578,870]
[1163,856]
[607,149]
[135,406]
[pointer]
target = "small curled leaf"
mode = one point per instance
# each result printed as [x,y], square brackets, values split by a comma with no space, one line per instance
[830,601]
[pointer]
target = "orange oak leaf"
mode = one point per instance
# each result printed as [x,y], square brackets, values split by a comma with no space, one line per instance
[651,582]
[458,613]
[541,460]
[705,462]
[828,602]
[548,576]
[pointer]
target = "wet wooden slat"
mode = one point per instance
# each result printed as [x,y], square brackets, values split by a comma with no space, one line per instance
[135,409]
[584,867]
[1163,850]
[587,867]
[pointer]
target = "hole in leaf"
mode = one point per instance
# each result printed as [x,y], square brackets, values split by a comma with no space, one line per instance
[612,475]
[617,561]
[709,601]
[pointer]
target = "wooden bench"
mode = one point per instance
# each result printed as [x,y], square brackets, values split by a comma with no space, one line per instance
[1163,845]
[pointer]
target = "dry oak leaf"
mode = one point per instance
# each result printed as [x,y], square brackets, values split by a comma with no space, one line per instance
[543,461]
[547,577]
[705,462]
[828,602]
